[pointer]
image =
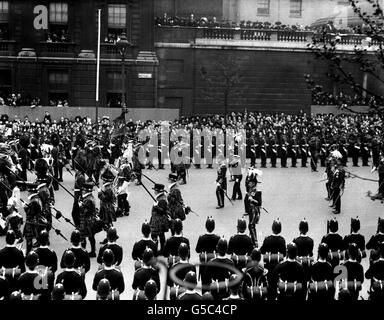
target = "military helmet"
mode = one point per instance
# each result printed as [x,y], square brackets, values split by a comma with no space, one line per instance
[190,278]
[147,256]
[210,224]
[355,224]
[69,258]
[150,289]
[58,292]
[103,288]
[183,250]
[241,224]
[303,226]
[333,225]
[108,257]
[75,237]
[32,259]
[276,226]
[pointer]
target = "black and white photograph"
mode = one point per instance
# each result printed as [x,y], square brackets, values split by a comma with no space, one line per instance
[210,151]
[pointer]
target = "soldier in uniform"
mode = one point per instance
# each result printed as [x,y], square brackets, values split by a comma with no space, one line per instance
[273,151]
[47,257]
[374,242]
[82,261]
[111,245]
[146,242]
[172,244]
[364,149]
[263,152]
[175,202]
[293,146]
[380,170]
[88,219]
[137,165]
[323,151]
[254,274]
[147,272]
[24,157]
[58,160]
[183,253]
[159,216]
[290,271]
[355,151]
[338,184]
[190,294]
[70,278]
[313,152]
[303,242]
[124,177]
[109,272]
[322,271]
[333,239]
[240,244]
[343,150]
[274,243]
[375,273]
[252,204]
[356,237]
[237,176]
[283,152]
[78,191]
[304,152]
[221,185]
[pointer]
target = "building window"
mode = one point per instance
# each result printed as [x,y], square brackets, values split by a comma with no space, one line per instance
[4,20]
[263,7]
[295,8]
[117,21]
[114,89]
[114,99]
[58,84]
[58,22]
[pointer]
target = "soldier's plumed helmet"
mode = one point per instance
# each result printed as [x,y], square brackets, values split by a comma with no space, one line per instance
[291,250]
[146,228]
[32,260]
[178,226]
[210,224]
[15,295]
[355,224]
[69,258]
[24,141]
[58,292]
[190,278]
[108,257]
[256,254]
[103,288]
[75,237]
[353,251]
[10,238]
[150,289]
[222,246]
[183,250]
[41,167]
[333,225]
[44,238]
[147,256]
[112,234]
[276,227]
[303,226]
[241,225]
[323,251]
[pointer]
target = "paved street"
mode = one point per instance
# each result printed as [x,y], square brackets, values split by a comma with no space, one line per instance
[288,194]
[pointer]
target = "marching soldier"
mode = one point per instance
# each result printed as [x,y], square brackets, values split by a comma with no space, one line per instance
[221,185]
[237,176]
[337,187]
[252,204]
[87,223]
[159,216]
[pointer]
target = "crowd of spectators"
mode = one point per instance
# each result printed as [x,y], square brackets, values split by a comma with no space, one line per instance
[60,35]
[328,99]
[17,99]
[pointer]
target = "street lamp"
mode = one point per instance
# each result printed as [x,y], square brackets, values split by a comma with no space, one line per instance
[122,44]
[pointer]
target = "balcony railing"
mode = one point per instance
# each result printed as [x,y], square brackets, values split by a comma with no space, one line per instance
[253,37]
[7,48]
[110,51]
[57,49]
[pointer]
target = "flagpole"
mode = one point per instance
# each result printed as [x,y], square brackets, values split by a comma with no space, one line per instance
[98,66]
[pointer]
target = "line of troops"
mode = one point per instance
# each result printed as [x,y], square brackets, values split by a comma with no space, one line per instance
[228,270]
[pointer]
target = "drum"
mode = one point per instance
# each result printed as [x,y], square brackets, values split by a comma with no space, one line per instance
[256,293]
[240,261]
[305,261]
[175,292]
[289,288]
[205,257]
[273,258]
[321,286]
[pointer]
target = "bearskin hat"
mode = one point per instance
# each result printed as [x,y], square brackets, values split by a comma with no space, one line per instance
[55,139]
[41,167]
[24,141]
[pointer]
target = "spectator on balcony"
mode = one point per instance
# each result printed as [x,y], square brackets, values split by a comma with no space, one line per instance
[213,23]
[192,22]
[164,21]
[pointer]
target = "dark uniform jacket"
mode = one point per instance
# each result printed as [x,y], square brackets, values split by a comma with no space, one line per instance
[240,244]
[12,257]
[47,258]
[207,243]
[216,273]
[27,284]
[355,270]
[73,282]
[144,274]
[274,244]
[82,259]
[114,276]
[376,270]
[375,240]
[334,242]
[140,246]
[321,271]
[190,295]
[117,252]
[172,245]
[304,246]
[356,238]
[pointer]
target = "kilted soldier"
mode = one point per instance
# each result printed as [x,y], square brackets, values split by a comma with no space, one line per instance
[338,184]
[137,165]
[107,199]
[175,202]
[159,216]
[33,211]
[237,176]
[221,185]
[47,201]
[252,203]
[88,219]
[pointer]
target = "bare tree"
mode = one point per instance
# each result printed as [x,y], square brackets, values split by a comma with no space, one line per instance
[367,57]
